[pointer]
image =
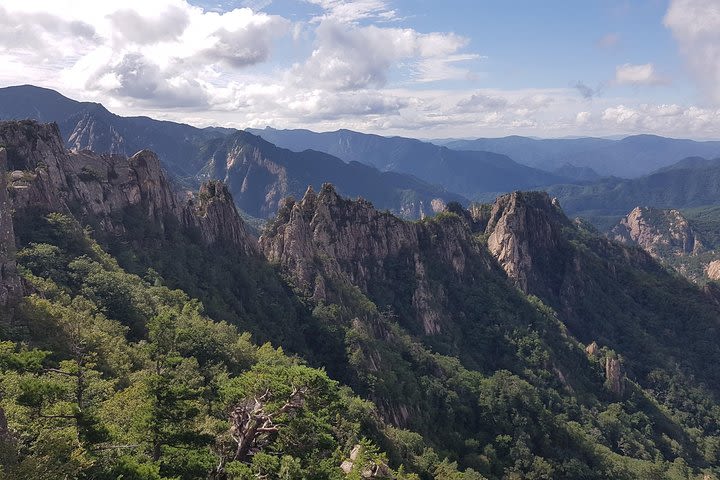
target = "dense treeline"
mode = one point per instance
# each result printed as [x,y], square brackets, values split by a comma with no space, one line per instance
[112,375]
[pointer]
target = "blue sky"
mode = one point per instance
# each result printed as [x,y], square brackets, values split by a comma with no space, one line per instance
[424,68]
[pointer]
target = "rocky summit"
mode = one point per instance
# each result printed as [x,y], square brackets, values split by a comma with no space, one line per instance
[658,232]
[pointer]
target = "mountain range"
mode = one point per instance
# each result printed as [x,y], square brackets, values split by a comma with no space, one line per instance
[192,155]
[408,177]
[499,341]
[470,173]
[628,157]
[692,182]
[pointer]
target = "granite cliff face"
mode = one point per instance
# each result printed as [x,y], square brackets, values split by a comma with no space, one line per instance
[214,215]
[659,232]
[571,268]
[686,244]
[327,242]
[99,189]
[10,285]
[524,234]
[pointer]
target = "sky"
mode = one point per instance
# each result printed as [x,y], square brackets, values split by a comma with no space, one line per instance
[419,68]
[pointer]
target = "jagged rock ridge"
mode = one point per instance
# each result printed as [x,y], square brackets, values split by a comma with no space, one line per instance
[324,237]
[260,175]
[100,188]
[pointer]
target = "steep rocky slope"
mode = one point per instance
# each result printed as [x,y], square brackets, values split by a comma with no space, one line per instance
[641,323]
[90,126]
[101,188]
[524,234]
[685,242]
[10,288]
[597,287]
[661,233]
[326,240]
[423,318]
[603,291]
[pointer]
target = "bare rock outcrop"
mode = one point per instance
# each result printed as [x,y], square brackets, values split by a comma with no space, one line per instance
[615,375]
[369,470]
[661,233]
[10,285]
[213,213]
[713,270]
[524,229]
[99,188]
[325,240]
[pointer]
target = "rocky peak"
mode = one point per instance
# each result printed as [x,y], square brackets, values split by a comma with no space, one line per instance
[615,377]
[325,240]
[339,230]
[713,270]
[92,133]
[524,228]
[214,215]
[10,286]
[659,232]
[154,188]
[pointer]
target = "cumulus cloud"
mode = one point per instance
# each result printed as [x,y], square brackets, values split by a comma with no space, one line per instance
[644,74]
[349,56]
[364,69]
[481,102]
[582,118]
[160,53]
[665,118]
[133,27]
[695,24]
[139,79]
[41,35]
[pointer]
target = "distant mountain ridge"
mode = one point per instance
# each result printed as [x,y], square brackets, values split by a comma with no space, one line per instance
[90,126]
[469,173]
[629,157]
[692,182]
[192,155]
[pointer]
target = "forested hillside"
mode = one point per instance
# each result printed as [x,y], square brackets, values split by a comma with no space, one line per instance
[147,334]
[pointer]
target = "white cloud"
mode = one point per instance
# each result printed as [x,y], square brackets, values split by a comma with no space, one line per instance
[695,24]
[348,12]
[582,118]
[355,65]
[133,27]
[482,102]
[349,57]
[160,52]
[644,74]
[673,120]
